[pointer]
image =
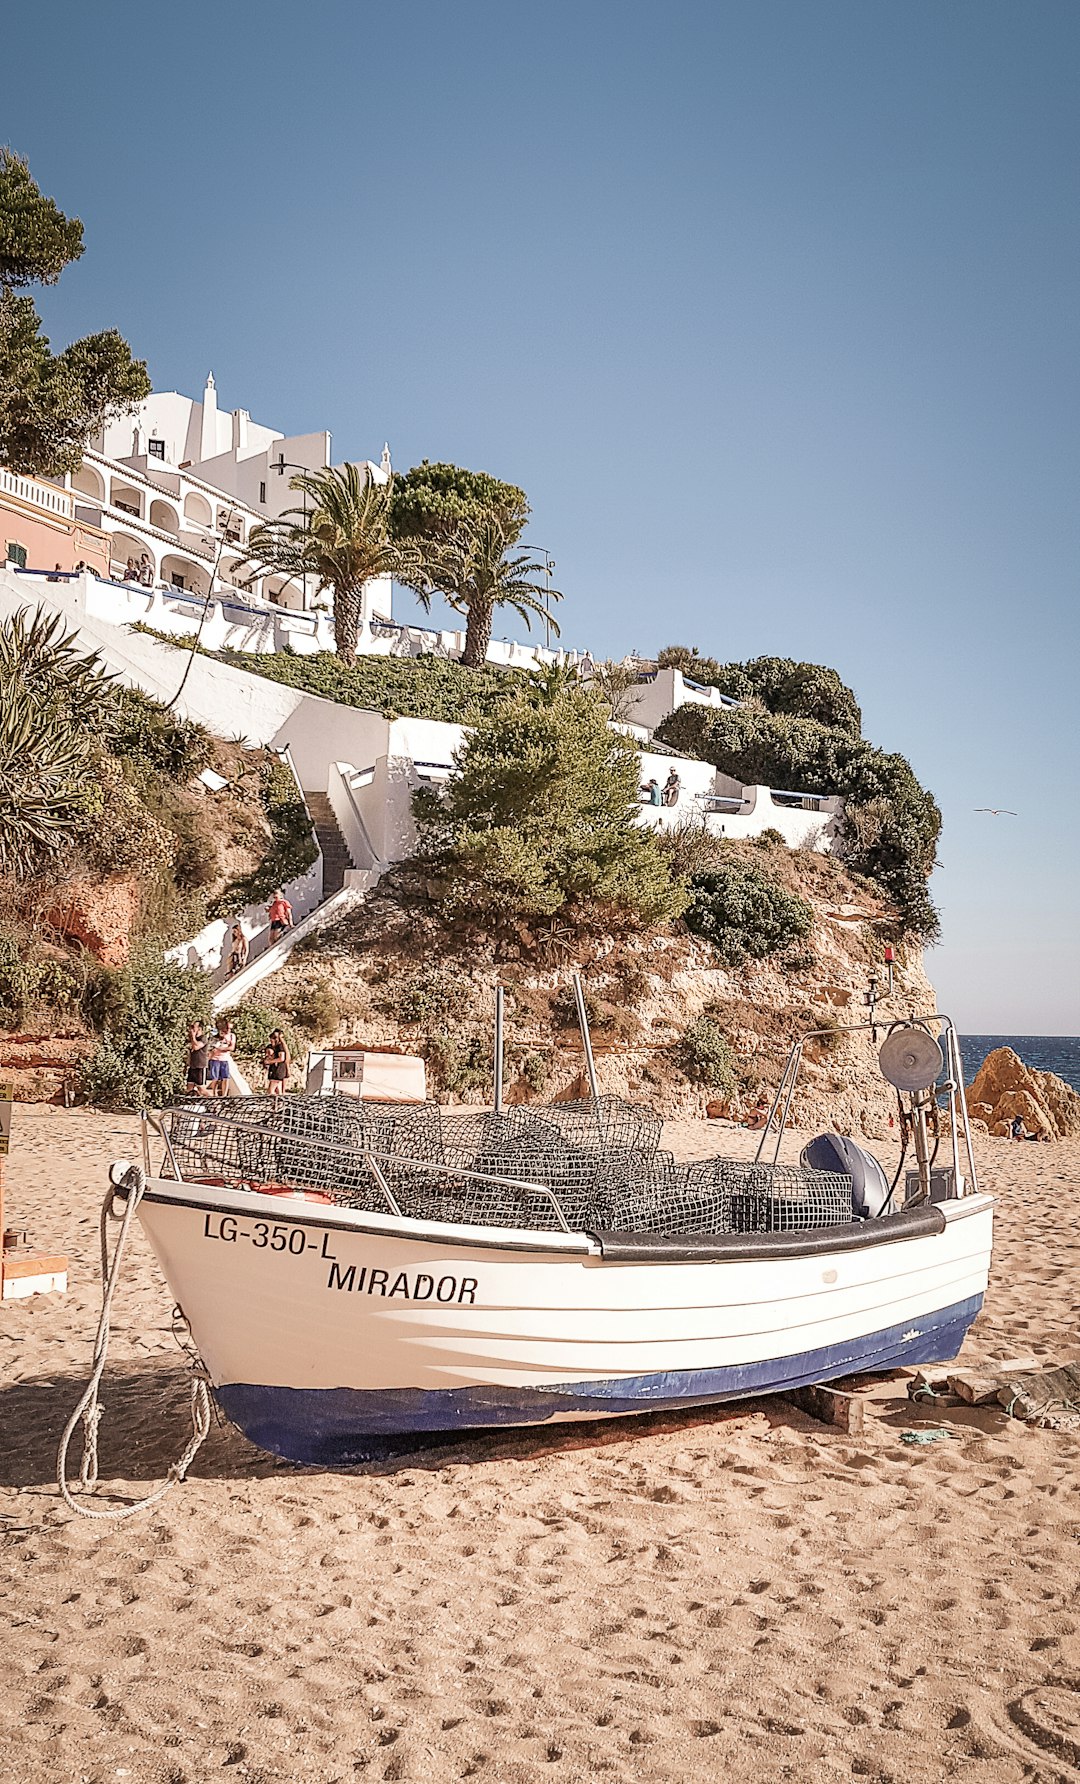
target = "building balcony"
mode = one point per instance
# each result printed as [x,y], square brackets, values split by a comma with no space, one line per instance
[44,496]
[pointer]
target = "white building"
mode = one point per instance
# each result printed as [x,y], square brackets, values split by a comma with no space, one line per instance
[660,692]
[175,478]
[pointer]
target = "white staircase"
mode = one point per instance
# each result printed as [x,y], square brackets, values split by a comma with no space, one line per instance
[274,957]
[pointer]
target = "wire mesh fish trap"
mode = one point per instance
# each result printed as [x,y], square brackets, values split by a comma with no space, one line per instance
[589,1167]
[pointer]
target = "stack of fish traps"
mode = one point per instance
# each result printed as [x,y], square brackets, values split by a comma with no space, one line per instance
[590,1166]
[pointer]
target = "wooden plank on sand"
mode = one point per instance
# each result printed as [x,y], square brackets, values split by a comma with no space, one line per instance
[829,1405]
[1050,1399]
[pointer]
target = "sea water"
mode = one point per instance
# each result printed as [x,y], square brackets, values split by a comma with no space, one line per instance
[1057,1053]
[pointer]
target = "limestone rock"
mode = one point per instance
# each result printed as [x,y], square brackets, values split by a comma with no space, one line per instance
[1045,1103]
[101,914]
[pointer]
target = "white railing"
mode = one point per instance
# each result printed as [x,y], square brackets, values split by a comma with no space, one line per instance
[343,782]
[41,495]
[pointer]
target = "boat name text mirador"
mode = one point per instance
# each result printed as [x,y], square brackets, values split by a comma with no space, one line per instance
[410,1286]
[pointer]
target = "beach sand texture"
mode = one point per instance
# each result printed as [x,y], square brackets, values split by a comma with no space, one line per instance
[736,1594]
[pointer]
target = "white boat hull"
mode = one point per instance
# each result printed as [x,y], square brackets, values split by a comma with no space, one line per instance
[325,1331]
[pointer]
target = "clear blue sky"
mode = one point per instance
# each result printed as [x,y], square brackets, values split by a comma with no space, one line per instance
[770,306]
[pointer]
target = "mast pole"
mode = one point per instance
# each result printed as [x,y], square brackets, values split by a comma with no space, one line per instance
[498,1049]
[583,1024]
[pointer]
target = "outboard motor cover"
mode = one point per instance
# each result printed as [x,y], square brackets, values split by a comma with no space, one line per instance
[869,1184]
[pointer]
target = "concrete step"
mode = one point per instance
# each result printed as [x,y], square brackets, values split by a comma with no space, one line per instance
[335,852]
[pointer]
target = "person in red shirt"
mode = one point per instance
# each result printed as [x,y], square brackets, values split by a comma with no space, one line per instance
[280,914]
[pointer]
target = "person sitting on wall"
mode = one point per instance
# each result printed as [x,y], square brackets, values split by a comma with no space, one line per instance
[672,789]
[280,915]
[650,793]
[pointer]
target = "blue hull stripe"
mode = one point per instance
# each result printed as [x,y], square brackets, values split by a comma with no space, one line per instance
[344,1425]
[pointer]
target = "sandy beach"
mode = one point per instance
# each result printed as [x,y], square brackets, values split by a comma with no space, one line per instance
[738,1594]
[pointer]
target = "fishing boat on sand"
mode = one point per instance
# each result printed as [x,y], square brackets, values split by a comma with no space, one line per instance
[355,1272]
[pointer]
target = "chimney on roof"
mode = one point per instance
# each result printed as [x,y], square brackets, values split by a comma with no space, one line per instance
[208,435]
[240,419]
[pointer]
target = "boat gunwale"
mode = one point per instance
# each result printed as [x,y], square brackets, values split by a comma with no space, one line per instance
[612,1248]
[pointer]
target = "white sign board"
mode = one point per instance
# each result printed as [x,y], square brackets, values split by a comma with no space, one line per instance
[375,1077]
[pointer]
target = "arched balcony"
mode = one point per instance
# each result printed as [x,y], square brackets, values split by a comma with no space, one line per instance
[164,515]
[184,574]
[197,509]
[282,593]
[124,549]
[122,495]
[87,483]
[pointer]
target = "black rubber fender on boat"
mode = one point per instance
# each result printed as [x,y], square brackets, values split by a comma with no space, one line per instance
[704,1248]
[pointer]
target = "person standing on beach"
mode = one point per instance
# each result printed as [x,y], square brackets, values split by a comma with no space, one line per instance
[222,1048]
[197,1054]
[277,1062]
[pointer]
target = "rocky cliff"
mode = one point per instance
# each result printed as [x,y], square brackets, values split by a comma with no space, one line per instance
[390,975]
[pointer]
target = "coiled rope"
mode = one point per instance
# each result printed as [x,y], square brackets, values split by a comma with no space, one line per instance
[90,1409]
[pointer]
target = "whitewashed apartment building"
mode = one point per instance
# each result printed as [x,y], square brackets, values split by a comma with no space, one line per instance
[176,477]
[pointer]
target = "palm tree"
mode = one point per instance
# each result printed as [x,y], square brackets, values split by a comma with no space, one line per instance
[342,539]
[475,573]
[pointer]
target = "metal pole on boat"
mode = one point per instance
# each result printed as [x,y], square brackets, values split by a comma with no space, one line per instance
[955,1094]
[957,1075]
[583,1024]
[498,1050]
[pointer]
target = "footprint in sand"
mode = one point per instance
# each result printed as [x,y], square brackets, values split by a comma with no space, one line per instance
[1049,1715]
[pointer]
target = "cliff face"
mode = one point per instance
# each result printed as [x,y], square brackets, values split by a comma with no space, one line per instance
[391,976]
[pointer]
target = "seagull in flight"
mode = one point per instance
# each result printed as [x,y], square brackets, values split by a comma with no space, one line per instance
[995,812]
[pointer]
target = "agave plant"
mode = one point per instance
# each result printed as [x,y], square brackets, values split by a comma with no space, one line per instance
[342,539]
[54,704]
[44,779]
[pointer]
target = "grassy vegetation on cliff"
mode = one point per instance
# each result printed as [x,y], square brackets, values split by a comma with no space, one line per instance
[398,687]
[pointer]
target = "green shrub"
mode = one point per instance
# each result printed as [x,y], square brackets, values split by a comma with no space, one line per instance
[706,1058]
[141,1059]
[770,839]
[891,824]
[805,690]
[536,1071]
[31,982]
[254,1023]
[292,849]
[745,913]
[317,1008]
[540,818]
[690,847]
[433,998]
[151,737]
[458,1064]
